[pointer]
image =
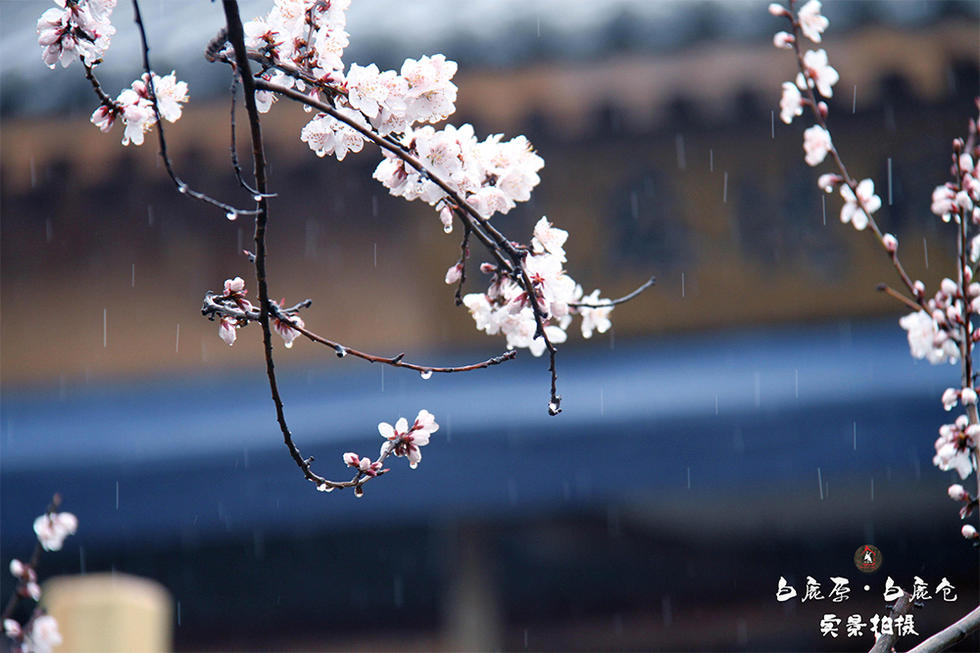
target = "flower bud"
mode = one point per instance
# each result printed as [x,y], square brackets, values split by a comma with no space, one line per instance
[956,492]
[949,399]
[966,162]
[968,396]
[783,40]
[948,286]
[822,108]
[777,9]
[890,243]
[454,274]
[969,532]
[828,181]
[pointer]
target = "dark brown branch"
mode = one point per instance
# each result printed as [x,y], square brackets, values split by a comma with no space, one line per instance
[15,597]
[182,186]
[891,292]
[621,300]
[464,253]
[852,183]
[97,87]
[234,147]
[213,306]
[510,258]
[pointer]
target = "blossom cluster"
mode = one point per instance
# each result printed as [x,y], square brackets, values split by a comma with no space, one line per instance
[404,441]
[75,28]
[233,296]
[40,634]
[134,106]
[506,307]
[81,28]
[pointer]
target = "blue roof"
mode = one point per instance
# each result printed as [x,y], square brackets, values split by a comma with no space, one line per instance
[725,412]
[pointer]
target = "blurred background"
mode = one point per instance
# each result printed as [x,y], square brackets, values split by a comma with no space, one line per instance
[754,415]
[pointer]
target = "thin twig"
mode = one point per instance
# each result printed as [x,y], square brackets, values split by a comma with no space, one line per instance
[182,186]
[233,147]
[621,300]
[214,307]
[15,597]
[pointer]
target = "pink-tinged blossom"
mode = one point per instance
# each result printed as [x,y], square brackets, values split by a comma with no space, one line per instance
[827,182]
[22,571]
[327,135]
[227,330]
[77,29]
[12,629]
[968,396]
[53,528]
[104,117]
[890,242]
[594,319]
[957,492]
[791,103]
[33,590]
[454,274]
[170,94]
[954,447]
[431,95]
[812,23]
[44,635]
[927,340]
[969,532]
[857,208]
[783,40]
[288,333]
[943,203]
[405,441]
[819,71]
[950,399]
[816,144]
[777,9]
[363,465]
[365,91]
[549,239]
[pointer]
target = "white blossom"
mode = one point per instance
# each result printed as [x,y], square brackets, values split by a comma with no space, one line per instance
[791,103]
[816,144]
[44,635]
[53,528]
[927,341]
[812,24]
[819,71]
[405,441]
[857,208]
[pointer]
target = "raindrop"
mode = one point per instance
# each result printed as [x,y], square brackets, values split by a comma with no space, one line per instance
[711,160]
[239,248]
[688,478]
[772,124]
[426,374]
[681,154]
[823,205]
[716,403]
[177,344]
[376,255]
[854,100]
[323,487]
[232,215]
[796,382]
[820,482]
[925,251]
[132,281]
[889,181]
[374,205]
[341,352]
[105,330]
[525,638]
[446,229]
[724,193]
[149,214]
[683,291]
[553,408]
[382,378]
[758,389]
[117,495]
[178,613]
[257,197]
[872,488]
[48,230]
[634,205]
[81,559]
[182,189]
[33,174]
[855,436]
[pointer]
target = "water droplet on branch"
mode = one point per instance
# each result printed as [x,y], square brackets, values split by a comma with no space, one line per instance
[426,374]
